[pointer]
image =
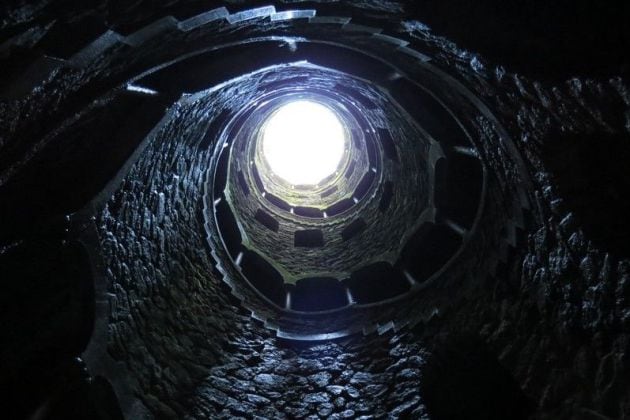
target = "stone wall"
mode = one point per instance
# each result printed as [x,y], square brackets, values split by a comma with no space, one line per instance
[545,334]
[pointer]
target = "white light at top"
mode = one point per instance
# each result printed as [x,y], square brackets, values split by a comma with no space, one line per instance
[303,142]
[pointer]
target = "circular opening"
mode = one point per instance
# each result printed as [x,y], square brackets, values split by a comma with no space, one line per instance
[303,142]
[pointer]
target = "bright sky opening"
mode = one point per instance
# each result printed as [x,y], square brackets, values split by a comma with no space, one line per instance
[303,142]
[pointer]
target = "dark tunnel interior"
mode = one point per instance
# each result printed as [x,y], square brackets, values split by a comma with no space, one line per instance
[314,209]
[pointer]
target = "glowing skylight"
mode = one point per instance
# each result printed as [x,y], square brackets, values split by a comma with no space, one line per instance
[303,142]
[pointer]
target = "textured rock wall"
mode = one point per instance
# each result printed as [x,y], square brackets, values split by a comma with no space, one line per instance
[545,306]
[560,321]
[555,316]
[189,350]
